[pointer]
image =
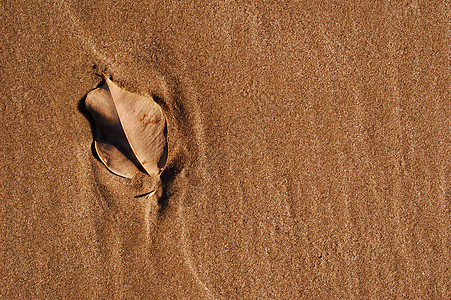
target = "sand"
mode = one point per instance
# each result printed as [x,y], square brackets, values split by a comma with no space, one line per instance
[308,151]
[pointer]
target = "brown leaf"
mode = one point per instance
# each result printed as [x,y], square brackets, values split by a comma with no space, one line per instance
[130,130]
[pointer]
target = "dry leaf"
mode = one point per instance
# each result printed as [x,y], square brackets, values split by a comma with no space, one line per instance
[130,130]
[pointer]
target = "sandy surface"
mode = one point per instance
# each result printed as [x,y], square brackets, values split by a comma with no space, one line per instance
[308,150]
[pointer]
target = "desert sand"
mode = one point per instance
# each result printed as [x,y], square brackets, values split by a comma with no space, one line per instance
[308,150]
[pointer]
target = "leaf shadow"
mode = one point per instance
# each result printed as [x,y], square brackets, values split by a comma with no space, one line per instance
[84,111]
[167,177]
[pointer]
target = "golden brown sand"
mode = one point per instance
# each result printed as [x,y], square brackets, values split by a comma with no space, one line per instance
[308,150]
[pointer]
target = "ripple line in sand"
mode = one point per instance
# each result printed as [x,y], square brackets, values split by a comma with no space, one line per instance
[188,256]
[199,135]
[80,33]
